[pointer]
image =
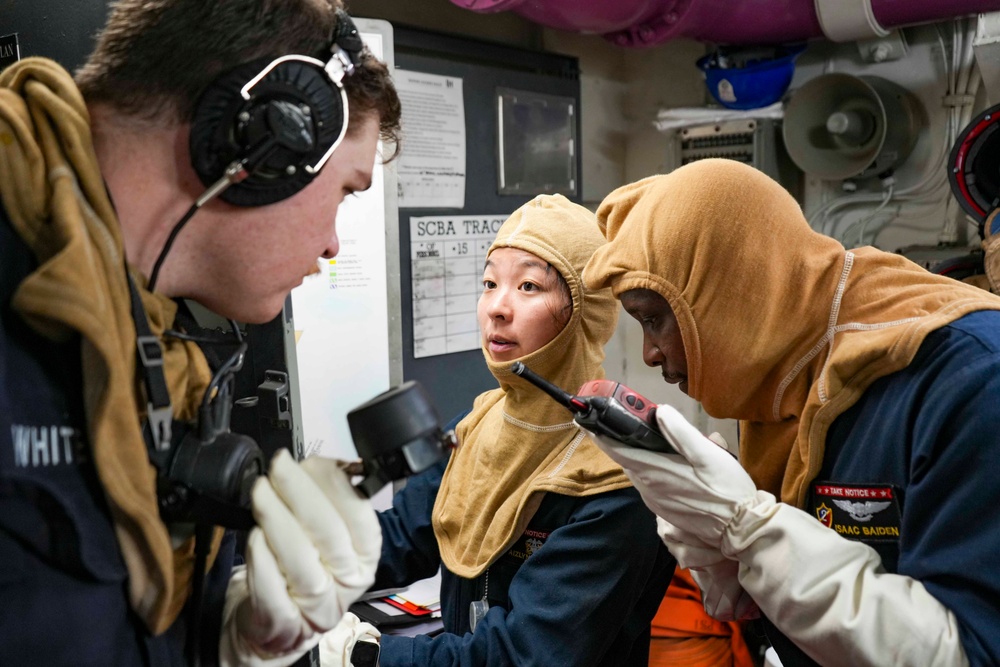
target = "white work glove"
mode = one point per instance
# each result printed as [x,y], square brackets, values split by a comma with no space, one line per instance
[338,644]
[717,577]
[691,511]
[313,553]
[831,595]
[698,491]
[827,594]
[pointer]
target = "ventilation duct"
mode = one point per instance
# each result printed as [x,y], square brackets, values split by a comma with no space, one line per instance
[638,23]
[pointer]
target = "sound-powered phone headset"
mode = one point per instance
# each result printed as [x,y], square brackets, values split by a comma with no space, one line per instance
[262,131]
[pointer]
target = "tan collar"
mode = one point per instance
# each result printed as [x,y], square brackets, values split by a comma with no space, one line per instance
[52,189]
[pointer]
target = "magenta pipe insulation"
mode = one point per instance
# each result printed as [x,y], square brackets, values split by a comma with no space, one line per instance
[639,23]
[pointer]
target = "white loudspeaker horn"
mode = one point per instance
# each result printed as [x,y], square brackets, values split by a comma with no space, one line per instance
[839,126]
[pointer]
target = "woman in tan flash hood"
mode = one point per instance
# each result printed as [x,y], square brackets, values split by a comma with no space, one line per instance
[865,389]
[549,555]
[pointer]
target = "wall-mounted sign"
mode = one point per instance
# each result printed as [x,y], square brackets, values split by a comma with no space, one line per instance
[10,52]
[447,255]
[432,166]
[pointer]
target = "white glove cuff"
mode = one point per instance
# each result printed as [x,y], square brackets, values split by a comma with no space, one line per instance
[831,595]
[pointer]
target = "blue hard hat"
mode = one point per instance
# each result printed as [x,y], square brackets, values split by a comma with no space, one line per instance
[743,81]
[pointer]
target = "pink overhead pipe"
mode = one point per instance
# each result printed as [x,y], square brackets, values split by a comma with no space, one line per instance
[737,22]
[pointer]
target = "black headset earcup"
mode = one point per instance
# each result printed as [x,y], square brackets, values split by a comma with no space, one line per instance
[227,127]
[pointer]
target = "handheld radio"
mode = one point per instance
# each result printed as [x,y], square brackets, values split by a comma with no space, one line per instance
[608,408]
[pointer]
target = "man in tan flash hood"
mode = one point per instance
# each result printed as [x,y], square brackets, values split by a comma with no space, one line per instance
[201,115]
[865,387]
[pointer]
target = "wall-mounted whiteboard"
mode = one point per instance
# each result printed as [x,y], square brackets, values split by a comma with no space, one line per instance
[345,321]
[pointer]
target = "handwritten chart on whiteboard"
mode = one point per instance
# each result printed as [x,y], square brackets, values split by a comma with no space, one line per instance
[446,258]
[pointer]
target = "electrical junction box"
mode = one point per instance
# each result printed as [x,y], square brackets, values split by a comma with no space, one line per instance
[753,141]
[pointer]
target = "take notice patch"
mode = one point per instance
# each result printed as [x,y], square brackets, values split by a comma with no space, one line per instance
[858,512]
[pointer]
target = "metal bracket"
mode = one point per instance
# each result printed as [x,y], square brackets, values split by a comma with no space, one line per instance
[883,49]
[273,395]
[848,20]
